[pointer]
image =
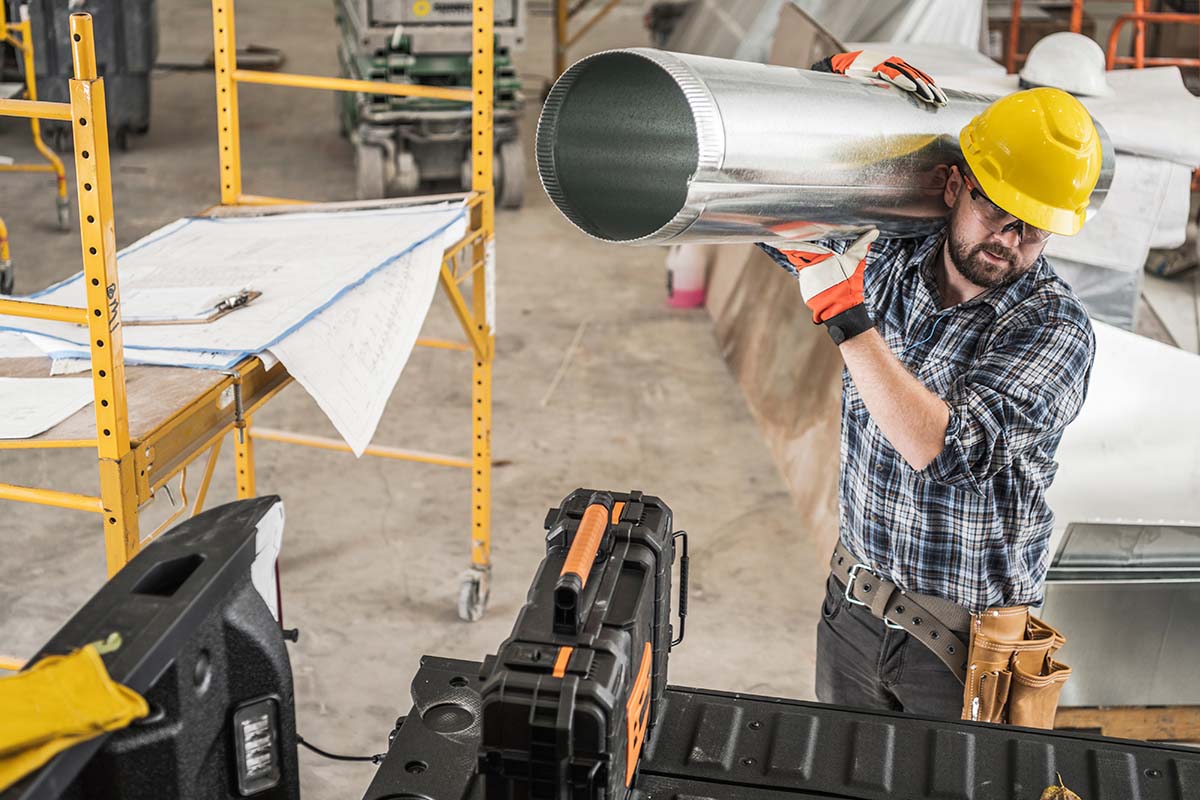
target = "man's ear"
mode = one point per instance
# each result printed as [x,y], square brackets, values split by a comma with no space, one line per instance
[954,185]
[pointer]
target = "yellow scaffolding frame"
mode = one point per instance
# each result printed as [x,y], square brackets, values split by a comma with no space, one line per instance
[18,34]
[133,469]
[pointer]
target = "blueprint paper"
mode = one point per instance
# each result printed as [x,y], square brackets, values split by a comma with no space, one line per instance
[300,262]
[350,356]
[173,303]
[35,405]
[347,354]
[68,358]
[69,366]
[16,345]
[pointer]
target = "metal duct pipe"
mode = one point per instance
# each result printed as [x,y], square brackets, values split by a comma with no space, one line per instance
[643,146]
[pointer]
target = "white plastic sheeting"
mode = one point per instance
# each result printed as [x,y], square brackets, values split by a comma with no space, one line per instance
[745,29]
[1134,452]
[945,22]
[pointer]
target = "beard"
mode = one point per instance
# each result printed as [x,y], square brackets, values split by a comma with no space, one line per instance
[978,268]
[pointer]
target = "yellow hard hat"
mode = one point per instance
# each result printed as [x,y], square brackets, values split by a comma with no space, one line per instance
[1036,154]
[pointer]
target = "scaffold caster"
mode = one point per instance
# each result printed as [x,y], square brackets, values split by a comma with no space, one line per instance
[408,173]
[509,166]
[473,591]
[370,172]
[64,214]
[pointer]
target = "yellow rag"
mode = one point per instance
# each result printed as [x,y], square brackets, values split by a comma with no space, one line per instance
[59,702]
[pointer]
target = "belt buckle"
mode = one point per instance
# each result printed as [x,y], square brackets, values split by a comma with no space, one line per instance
[851,577]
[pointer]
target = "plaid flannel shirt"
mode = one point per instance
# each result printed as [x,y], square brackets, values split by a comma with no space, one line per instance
[1012,365]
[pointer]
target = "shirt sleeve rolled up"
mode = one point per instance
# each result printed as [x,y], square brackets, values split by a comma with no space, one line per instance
[1024,390]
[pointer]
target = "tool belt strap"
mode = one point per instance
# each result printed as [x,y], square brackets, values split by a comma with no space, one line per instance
[930,620]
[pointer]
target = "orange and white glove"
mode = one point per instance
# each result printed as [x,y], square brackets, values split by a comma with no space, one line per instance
[832,283]
[893,69]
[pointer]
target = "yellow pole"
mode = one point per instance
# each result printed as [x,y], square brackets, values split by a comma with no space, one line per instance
[229,145]
[39,109]
[25,308]
[243,457]
[98,233]
[213,454]
[484,215]
[379,451]
[348,85]
[31,92]
[50,497]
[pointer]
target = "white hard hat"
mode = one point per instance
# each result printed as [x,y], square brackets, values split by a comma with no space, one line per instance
[1068,61]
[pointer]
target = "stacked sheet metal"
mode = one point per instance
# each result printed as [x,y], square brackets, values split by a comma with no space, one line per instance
[1126,596]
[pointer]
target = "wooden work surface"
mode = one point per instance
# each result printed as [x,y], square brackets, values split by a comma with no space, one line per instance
[154,395]
[1151,723]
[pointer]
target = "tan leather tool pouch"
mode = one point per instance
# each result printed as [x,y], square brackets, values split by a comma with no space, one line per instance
[1012,676]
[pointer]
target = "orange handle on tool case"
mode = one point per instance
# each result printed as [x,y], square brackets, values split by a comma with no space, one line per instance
[578,564]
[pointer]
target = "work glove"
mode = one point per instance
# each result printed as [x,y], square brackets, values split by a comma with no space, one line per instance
[831,283]
[893,69]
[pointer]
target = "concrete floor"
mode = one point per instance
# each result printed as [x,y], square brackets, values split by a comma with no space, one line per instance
[373,549]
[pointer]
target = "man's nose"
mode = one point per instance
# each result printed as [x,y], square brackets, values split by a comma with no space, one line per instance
[1009,238]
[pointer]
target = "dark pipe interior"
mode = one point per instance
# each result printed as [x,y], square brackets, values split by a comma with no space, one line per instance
[624,147]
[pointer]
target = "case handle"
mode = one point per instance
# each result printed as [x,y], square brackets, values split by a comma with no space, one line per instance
[578,565]
[683,584]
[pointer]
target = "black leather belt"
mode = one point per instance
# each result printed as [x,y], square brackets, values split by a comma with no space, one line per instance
[931,620]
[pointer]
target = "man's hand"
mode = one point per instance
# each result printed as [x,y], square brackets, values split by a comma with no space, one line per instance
[832,283]
[893,69]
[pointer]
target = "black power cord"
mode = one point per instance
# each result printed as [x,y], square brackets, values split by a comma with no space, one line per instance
[375,759]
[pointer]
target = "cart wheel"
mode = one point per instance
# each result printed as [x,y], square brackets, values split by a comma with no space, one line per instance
[7,279]
[465,174]
[371,177]
[510,174]
[473,591]
[64,214]
[339,111]
[60,139]
[408,174]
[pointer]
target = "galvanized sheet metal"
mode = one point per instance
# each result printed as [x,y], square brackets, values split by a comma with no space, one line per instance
[642,146]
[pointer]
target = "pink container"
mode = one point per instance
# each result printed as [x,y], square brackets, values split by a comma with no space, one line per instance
[687,267]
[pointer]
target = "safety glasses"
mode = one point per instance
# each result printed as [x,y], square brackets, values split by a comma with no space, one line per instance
[997,220]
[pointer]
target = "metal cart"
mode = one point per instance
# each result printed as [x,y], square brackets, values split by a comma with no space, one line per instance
[404,143]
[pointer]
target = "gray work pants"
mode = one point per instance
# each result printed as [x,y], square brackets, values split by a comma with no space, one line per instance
[863,663]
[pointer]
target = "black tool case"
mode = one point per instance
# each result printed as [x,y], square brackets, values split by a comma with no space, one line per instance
[570,697]
[200,644]
[126,42]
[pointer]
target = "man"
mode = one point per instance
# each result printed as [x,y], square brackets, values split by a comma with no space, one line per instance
[966,357]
